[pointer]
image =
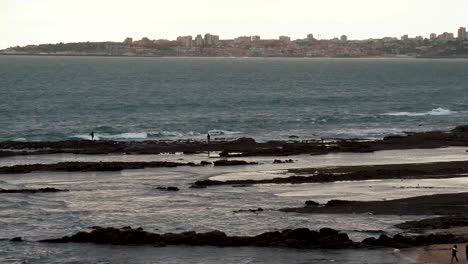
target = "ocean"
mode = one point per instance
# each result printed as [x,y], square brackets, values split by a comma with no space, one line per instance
[61,98]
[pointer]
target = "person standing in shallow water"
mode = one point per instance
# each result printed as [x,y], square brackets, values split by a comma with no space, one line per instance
[208,137]
[454,253]
[92,135]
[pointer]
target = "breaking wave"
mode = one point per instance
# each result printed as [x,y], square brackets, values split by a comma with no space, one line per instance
[153,135]
[434,112]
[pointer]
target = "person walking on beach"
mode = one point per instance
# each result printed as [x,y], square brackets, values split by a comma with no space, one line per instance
[208,137]
[92,135]
[454,253]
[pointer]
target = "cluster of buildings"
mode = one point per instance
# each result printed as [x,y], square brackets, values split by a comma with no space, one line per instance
[209,45]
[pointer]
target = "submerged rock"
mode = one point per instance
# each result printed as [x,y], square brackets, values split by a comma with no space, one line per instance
[41,190]
[17,239]
[277,161]
[233,163]
[170,188]
[250,210]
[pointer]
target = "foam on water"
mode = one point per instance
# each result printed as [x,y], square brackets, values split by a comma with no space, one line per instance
[434,112]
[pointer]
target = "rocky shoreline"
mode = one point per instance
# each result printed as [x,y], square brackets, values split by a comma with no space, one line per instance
[243,146]
[438,204]
[92,166]
[302,238]
[437,170]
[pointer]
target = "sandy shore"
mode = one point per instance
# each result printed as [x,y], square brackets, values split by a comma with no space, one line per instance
[440,253]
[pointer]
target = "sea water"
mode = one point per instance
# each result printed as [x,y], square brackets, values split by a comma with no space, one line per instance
[59,98]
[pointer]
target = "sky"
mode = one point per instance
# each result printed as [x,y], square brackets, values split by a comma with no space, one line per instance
[25,22]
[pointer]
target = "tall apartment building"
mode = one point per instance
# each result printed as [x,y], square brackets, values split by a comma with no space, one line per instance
[462,33]
[310,37]
[186,41]
[211,40]
[199,40]
[433,36]
[344,38]
[446,36]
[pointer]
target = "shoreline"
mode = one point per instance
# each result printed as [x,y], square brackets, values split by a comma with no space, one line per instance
[448,204]
[237,57]
[243,147]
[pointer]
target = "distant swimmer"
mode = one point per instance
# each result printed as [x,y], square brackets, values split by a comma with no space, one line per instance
[92,135]
[208,137]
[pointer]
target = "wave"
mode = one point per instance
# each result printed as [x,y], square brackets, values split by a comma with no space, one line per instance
[153,134]
[371,133]
[434,112]
[216,132]
[123,136]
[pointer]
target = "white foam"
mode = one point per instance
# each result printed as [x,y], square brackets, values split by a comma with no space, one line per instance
[97,136]
[217,132]
[434,112]
[365,132]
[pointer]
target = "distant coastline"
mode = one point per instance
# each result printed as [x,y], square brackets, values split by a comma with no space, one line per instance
[442,46]
[259,57]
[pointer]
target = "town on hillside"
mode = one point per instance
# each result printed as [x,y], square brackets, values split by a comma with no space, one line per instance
[445,45]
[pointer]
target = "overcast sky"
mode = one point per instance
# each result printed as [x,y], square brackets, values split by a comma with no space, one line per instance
[50,21]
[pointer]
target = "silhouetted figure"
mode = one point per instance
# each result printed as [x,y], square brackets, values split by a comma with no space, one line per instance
[454,253]
[208,137]
[92,135]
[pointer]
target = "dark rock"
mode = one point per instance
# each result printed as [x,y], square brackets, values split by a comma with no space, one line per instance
[41,190]
[333,203]
[328,231]
[250,210]
[242,185]
[170,188]
[89,166]
[233,163]
[297,238]
[198,186]
[435,223]
[311,203]
[17,239]
[203,162]
[277,161]
[244,141]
